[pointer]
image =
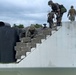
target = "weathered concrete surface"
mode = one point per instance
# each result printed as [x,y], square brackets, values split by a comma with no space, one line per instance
[58,50]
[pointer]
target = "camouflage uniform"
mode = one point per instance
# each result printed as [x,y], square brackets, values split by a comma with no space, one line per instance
[71,14]
[50,19]
[31,31]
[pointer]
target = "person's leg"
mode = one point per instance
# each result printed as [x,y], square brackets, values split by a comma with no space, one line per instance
[70,18]
[50,23]
[61,15]
[73,18]
[58,22]
[58,18]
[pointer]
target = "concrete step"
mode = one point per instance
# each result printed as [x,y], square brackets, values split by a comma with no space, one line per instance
[21,44]
[27,49]
[31,44]
[21,48]
[36,40]
[17,48]
[47,31]
[27,44]
[25,39]
[27,53]
[22,52]
[19,54]
[40,36]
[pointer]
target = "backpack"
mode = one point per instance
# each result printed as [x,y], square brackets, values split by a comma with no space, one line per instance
[62,9]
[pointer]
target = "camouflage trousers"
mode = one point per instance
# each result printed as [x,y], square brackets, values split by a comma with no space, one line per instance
[72,17]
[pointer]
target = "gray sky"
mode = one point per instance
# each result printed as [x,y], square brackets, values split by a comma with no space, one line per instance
[29,11]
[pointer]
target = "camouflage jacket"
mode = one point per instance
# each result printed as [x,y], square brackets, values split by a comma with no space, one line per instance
[71,12]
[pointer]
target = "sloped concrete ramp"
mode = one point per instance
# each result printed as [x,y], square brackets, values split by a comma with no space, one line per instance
[58,50]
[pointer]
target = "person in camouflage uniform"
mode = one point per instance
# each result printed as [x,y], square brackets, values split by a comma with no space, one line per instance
[31,31]
[56,8]
[71,13]
[50,19]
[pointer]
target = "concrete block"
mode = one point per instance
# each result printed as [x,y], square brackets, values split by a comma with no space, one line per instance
[21,44]
[47,31]
[25,39]
[27,49]
[36,40]
[31,44]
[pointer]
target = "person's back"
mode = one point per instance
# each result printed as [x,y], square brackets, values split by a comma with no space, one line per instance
[54,6]
[72,13]
[8,39]
[31,31]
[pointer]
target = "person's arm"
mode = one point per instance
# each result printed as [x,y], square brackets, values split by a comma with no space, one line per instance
[68,13]
[75,12]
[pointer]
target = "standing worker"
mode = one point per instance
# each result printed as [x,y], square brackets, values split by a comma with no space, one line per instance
[58,10]
[71,13]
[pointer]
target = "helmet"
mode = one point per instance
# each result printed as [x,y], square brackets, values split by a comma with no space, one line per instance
[72,6]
